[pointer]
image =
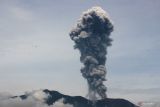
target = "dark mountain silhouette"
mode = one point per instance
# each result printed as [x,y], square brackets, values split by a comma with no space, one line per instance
[79,101]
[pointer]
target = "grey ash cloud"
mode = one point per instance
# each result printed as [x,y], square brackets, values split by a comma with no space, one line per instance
[92,37]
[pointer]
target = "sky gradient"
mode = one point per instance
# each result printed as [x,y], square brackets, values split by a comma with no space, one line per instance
[36,51]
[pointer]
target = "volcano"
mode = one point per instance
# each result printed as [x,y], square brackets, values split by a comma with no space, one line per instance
[51,98]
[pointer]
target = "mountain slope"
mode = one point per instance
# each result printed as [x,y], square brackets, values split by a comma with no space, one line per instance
[53,97]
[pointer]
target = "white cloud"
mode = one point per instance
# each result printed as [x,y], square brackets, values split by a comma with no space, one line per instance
[34,99]
[39,95]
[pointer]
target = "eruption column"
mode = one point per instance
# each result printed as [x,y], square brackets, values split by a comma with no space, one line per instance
[91,37]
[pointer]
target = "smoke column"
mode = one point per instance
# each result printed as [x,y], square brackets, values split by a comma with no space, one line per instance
[92,37]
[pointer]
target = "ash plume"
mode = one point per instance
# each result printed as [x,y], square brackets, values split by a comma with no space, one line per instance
[92,37]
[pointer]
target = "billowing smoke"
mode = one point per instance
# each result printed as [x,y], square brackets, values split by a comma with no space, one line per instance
[92,37]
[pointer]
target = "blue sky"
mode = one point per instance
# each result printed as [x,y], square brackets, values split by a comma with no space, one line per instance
[36,50]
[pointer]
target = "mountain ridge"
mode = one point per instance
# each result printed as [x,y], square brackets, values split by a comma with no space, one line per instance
[79,101]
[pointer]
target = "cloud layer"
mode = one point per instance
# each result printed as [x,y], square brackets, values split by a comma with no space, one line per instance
[34,99]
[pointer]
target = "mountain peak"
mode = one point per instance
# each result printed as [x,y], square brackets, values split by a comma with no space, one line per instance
[51,97]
